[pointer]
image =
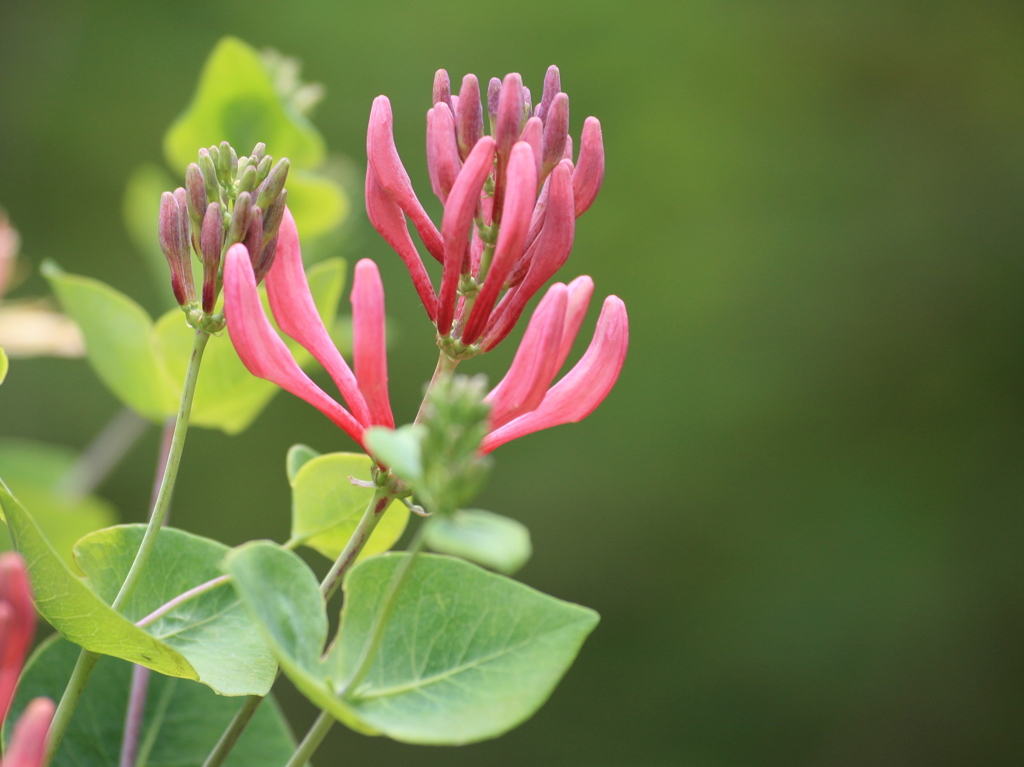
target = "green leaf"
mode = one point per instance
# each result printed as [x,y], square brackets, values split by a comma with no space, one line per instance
[399,449]
[488,539]
[119,342]
[236,101]
[229,397]
[326,506]
[4,364]
[318,203]
[298,456]
[467,654]
[208,638]
[183,720]
[33,471]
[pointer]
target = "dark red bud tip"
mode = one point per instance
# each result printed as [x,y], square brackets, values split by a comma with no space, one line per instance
[469,116]
[174,242]
[442,89]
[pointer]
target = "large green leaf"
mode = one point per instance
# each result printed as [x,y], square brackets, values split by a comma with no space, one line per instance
[183,720]
[326,506]
[229,397]
[319,203]
[208,638]
[467,654]
[33,471]
[236,101]
[119,342]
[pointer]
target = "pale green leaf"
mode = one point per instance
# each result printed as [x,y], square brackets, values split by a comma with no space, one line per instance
[488,539]
[467,654]
[182,722]
[208,638]
[33,471]
[236,101]
[326,506]
[318,203]
[119,340]
[399,449]
[229,397]
[298,456]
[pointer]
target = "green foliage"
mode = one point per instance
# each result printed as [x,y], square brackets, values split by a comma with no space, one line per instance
[144,363]
[483,537]
[399,449]
[466,655]
[208,638]
[326,506]
[298,456]
[141,209]
[4,364]
[182,722]
[34,471]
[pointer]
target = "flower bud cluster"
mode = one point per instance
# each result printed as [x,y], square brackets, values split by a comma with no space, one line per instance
[511,198]
[226,200]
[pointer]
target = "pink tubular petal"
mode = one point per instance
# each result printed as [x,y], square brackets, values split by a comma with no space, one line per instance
[369,342]
[17,624]
[27,747]
[387,218]
[580,291]
[584,387]
[535,364]
[556,130]
[469,116]
[568,148]
[262,351]
[382,156]
[533,134]
[442,91]
[443,161]
[296,315]
[545,257]
[463,201]
[506,131]
[589,171]
[519,202]
[552,87]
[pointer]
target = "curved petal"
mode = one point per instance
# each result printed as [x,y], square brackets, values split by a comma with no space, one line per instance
[17,624]
[28,744]
[536,361]
[369,342]
[296,315]
[584,387]
[443,161]
[260,348]
[580,291]
[589,171]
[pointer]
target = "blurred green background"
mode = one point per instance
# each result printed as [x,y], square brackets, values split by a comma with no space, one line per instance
[800,511]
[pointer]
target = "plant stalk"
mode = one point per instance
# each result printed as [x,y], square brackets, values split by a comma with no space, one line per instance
[312,741]
[87,660]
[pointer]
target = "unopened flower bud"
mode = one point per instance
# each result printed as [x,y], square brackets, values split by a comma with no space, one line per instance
[174,242]
[247,181]
[227,164]
[274,183]
[442,89]
[208,167]
[215,154]
[258,153]
[556,128]
[533,134]
[469,117]
[527,107]
[17,625]
[443,161]
[211,242]
[253,242]
[552,87]
[239,226]
[264,168]
[493,93]
[272,217]
[195,186]
[589,171]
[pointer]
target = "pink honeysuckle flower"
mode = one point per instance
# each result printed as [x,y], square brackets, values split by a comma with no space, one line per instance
[28,744]
[461,158]
[9,243]
[265,355]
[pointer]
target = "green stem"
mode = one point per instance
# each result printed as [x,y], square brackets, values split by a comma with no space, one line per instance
[445,366]
[312,741]
[87,660]
[374,510]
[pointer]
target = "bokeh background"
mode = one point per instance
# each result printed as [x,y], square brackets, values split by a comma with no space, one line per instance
[801,511]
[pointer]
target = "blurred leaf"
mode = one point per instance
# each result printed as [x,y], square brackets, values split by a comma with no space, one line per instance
[141,207]
[119,342]
[467,654]
[399,449]
[483,537]
[33,471]
[229,397]
[207,638]
[298,456]
[236,102]
[3,365]
[326,506]
[183,720]
[318,203]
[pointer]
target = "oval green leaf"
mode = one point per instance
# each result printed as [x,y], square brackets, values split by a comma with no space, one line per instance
[183,720]
[489,539]
[119,341]
[467,654]
[326,506]
[207,639]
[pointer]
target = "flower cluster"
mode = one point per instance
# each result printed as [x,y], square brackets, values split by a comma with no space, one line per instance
[27,747]
[510,200]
